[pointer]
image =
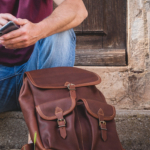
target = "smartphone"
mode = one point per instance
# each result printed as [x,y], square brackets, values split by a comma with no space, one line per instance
[10,26]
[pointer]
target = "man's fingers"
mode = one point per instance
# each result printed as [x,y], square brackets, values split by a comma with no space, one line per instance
[7,16]
[14,41]
[17,45]
[12,34]
[3,21]
[20,22]
[18,32]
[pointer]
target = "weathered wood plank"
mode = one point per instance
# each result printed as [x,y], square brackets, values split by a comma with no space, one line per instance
[94,21]
[89,42]
[115,23]
[95,49]
[78,29]
[100,57]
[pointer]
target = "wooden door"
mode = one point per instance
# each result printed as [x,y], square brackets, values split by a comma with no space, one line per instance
[101,38]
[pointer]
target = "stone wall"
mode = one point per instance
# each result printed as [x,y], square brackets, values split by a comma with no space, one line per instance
[129,87]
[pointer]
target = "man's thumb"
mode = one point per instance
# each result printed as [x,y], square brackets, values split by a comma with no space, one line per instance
[20,22]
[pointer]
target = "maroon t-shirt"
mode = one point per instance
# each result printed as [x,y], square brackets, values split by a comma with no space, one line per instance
[34,11]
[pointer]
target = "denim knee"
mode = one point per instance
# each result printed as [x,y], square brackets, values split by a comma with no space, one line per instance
[57,50]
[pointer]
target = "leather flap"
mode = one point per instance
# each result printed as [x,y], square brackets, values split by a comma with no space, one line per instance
[47,110]
[93,107]
[58,76]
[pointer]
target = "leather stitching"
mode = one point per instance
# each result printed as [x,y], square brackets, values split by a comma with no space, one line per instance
[106,118]
[78,85]
[38,109]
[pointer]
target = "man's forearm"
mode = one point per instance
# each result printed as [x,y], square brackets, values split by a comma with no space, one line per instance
[68,14]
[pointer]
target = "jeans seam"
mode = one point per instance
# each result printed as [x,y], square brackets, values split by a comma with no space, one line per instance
[16,90]
[9,76]
[16,83]
[73,42]
[25,67]
[72,35]
[74,54]
[15,75]
[38,59]
[28,61]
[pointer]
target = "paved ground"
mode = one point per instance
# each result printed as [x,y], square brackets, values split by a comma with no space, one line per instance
[133,129]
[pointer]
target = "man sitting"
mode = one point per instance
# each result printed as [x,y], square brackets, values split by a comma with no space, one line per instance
[51,32]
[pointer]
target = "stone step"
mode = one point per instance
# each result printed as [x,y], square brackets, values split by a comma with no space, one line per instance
[13,130]
[133,128]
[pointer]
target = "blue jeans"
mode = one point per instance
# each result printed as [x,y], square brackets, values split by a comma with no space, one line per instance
[54,51]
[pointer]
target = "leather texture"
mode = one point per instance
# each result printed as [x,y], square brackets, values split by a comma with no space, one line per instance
[67,111]
[61,122]
[28,147]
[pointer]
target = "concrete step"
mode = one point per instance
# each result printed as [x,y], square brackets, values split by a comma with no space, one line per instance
[133,128]
[13,130]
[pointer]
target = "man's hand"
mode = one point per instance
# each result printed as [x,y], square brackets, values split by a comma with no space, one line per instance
[4,18]
[69,14]
[27,35]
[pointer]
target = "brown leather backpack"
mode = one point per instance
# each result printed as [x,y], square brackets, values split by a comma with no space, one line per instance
[67,111]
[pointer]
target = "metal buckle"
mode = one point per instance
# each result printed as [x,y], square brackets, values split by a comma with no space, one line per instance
[61,120]
[102,122]
[68,86]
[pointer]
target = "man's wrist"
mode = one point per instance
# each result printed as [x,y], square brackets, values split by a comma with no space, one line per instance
[44,29]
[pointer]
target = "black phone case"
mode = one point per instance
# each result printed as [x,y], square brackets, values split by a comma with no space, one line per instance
[10,26]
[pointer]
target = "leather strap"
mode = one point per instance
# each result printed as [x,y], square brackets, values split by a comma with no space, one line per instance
[102,124]
[61,122]
[71,87]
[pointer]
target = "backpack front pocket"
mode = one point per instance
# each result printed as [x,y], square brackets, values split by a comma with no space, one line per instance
[56,121]
[101,120]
